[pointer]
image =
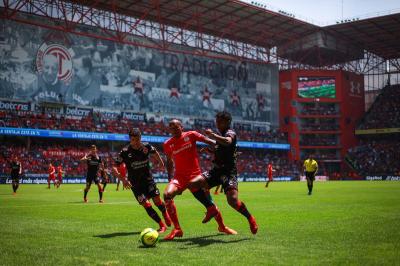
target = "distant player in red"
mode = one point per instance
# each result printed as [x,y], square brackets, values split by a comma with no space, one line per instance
[182,157]
[60,174]
[122,171]
[52,175]
[269,174]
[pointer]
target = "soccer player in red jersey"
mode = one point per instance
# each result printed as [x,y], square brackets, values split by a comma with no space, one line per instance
[224,171]
[269,174]
[182,166]
[52,175]
[60,174]
[122,171]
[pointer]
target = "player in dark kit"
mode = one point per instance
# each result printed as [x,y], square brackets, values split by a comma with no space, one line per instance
[136,157]
[224,170]
[310,168]
[16,171]
[93,165]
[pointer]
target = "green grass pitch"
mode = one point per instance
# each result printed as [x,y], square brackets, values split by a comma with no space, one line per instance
[353,223]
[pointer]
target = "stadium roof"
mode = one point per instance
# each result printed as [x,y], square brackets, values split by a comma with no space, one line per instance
[379,35]
[239,21]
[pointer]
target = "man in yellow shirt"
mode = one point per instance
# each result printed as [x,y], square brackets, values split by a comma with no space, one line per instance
[310,167]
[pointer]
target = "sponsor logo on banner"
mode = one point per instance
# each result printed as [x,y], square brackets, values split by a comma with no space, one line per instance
[76,111]
[17,106]
[134,116]
[63,56]
[107,113]
[382,177]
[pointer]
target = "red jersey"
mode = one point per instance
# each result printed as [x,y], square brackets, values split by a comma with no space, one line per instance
[269,171]
[183,152]
[122,169]
[59,172]
[52,170]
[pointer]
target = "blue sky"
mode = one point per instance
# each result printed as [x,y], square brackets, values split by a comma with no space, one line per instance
[329,11]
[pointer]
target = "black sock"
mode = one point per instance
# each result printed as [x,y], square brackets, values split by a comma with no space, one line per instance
[104,186]
[14,187]
[100,194]
[203,197]
[85,193]
[241,207]
[153,214]
[311,187]
[161,207]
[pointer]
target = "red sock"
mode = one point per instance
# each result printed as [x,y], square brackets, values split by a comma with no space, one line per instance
[171,209]
[219,220]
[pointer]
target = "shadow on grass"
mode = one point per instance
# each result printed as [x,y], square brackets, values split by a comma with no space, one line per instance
[118,234]
[203,241]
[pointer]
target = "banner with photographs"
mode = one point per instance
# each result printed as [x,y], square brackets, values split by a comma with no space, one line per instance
[42,65]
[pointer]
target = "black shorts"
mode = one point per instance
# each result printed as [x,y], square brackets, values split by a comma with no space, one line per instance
[90,179]
[144,190]
[220,176]
[310,175]
[15,179]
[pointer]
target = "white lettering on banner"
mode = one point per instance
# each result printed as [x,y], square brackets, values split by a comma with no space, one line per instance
[133,116]
[23,132]
[79,99]
[393,178]
[77,111]
[46,94]
[14,106]
[371,178]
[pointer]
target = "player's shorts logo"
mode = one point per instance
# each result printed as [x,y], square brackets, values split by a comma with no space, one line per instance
[55,56]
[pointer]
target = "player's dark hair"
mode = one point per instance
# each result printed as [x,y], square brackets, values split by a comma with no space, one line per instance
[224,115]
[134,132]
[93,147]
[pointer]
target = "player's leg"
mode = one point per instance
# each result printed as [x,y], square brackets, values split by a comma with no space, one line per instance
[199,186]
[161,206]
[216,190]
[309,182]
[232,196]
[139,192]
[100,189]
[48,182]
[118,182]
[170,192]
[87,188]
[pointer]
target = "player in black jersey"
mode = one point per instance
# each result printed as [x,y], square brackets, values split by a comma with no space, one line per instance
[16,171]
[224,170]
[94,162]
[136,157]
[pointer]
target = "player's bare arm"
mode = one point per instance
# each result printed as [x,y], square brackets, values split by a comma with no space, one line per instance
[170,167]
[218,138]
[125,181]
[158,158]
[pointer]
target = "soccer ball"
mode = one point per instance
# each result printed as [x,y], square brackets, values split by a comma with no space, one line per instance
[149,237]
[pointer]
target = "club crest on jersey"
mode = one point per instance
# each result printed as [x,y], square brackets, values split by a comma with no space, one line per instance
[145,150]
[130,155]
[186,139]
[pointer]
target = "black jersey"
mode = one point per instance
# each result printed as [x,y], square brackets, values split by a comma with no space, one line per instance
[15,168]
[93,165]
[225,156]
[137,161]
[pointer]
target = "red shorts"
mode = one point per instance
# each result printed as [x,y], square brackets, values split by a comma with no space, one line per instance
[270,178]
[182,182]
[52,177]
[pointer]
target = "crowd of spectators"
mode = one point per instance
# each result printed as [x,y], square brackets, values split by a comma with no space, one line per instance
[97,123]
[377,156]
[385,111]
